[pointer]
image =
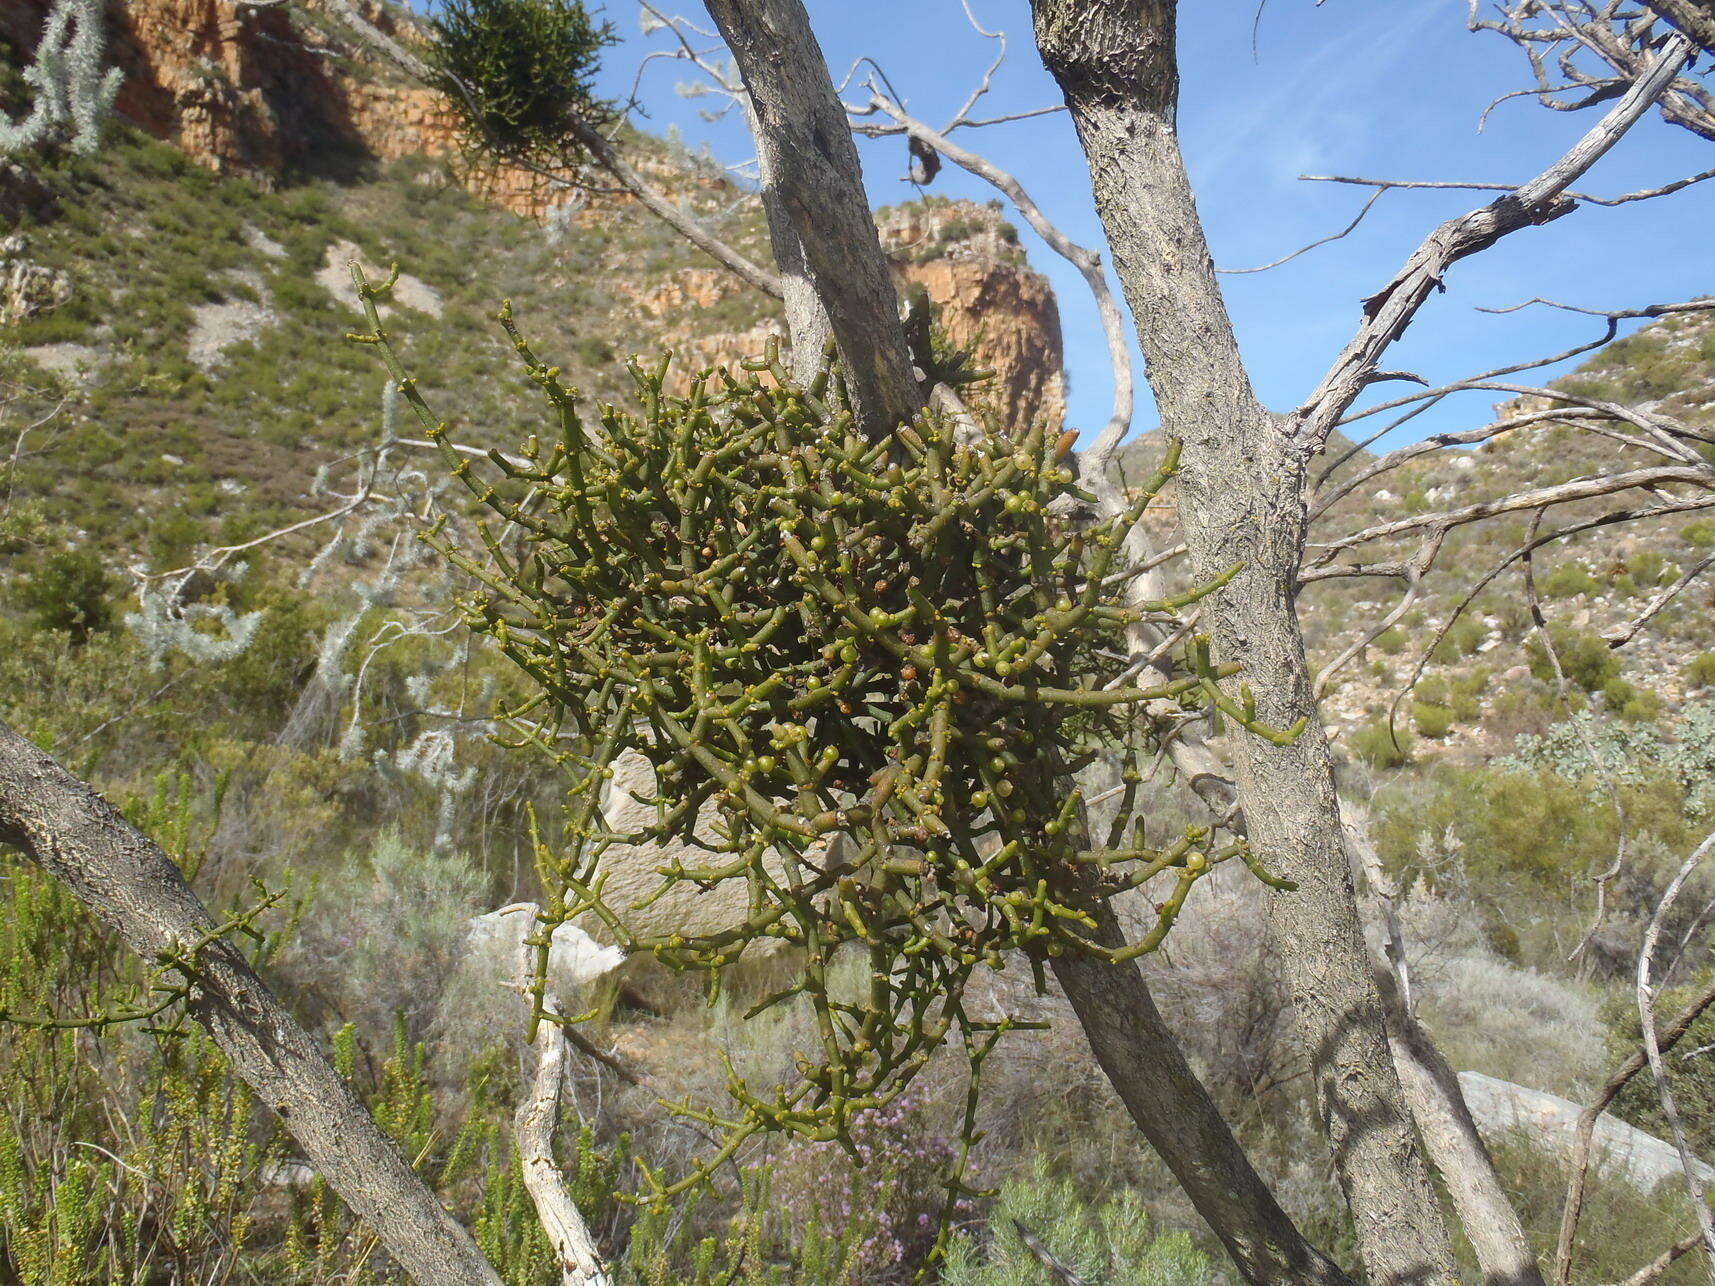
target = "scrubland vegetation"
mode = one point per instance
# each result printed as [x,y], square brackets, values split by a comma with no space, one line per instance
[309,745]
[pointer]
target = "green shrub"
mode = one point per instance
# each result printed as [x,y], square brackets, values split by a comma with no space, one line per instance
[1462,639]
[1567,581]
[1630,703]
[517,69]
[1616,693]
[1587,660]
[69,591]
[1700,672]
[1647,567]
[1380,746]
[1113,1244]
[1391,641]
[1642,706]
[1432,721]
[1434,689]
[1543,826]
[1466,694]
[1698,534]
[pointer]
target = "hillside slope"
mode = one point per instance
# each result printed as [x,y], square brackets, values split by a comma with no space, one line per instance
[1592,583]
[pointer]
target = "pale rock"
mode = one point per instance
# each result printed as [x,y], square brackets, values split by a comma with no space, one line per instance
[1501,1107]
[495,941]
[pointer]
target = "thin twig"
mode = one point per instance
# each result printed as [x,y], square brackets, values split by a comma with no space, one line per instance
[1646,995]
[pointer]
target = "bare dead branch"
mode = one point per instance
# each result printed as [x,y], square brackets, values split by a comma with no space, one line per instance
[1412,573]
[1695,18]
[1418,403]
[1088,263]
[1588,198]
[1038,1251]
[1613,314]
[1535,542]
[1534,498]
[1390,310]
[134,887]
[1439,442]
[534,1127]
[1617,639]
[1646,996]
[1616,800]
[1303,250]
[1622,1076]
[1432,1086]
[1430,397]
[1653,1270]
[1583,52]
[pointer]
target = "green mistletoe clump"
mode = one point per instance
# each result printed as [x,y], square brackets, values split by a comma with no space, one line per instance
[864,674]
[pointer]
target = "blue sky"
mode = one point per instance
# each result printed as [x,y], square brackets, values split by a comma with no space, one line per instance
[1381,88]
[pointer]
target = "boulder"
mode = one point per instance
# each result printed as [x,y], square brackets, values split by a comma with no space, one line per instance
[495,944]
[1501,1107]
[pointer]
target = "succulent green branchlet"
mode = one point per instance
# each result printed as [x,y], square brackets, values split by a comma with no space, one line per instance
[876,663]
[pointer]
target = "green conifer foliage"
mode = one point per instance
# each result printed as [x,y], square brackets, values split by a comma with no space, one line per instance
[519,72]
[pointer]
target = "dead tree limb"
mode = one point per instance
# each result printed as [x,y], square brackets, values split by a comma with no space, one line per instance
[1695,19]
[1573,1206]
[1432,1087]
[535,1124]
[1585,52]
[1391,309]
[132,885]
[1646,998]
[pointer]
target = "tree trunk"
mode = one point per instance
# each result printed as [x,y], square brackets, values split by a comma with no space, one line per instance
[1694,18]
[1450,1136]
[834,278]
[1432,1090]
[122,876]
[1242,501]
[1143,1061]
[820,242]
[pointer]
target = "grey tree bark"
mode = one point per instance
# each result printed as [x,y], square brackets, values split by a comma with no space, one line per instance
[1136,1049]
[1242,501]
[125,878]
[1431,1086]
[836,284]
[834,278]
[1694,18]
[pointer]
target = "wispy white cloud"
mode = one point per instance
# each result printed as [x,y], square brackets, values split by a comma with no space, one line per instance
[1303,118]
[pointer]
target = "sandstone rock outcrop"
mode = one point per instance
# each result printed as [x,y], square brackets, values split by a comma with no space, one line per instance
[269,90]
[968,258]
[263,90]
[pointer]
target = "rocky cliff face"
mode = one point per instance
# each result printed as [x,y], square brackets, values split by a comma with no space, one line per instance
[968,258]
[266,91]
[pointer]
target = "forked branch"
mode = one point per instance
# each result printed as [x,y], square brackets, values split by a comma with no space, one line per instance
[1390,310]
